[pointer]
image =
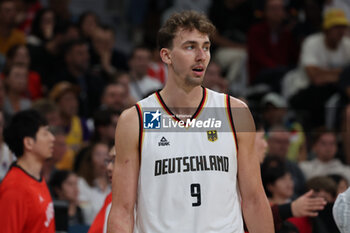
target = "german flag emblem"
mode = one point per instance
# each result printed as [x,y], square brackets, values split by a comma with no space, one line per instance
[212,135]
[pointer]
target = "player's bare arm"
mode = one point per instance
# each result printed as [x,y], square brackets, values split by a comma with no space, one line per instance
[256,209]
[125,173]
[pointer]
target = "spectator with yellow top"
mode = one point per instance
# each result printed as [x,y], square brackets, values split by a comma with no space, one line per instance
[9,35]
[64,95]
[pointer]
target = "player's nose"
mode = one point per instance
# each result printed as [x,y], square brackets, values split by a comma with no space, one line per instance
[201,55]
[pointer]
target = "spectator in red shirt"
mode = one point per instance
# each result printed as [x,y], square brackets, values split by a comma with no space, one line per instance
[26,204]
[19,54]
[271,49]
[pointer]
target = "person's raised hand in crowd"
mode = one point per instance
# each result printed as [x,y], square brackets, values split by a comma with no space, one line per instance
[307,205]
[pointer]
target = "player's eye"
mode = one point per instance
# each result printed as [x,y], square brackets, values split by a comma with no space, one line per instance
[189,47]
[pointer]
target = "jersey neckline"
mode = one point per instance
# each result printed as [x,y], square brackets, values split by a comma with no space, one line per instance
[14,164]
[196,113]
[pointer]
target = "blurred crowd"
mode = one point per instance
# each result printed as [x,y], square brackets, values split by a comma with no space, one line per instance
[81,63]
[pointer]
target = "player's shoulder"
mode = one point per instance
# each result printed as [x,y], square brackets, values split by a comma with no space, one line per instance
[14,184]
[241,115]
[237,103]
[128,121]
[129,114]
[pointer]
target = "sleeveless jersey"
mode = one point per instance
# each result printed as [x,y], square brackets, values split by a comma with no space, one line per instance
[188,175]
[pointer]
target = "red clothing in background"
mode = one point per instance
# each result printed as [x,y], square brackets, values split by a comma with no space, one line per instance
[266,50]
[101,218]
[303,224]
[26,204]
[26,24]
[34,85]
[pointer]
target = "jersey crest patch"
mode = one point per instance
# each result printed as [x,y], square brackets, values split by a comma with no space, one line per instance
[212,135]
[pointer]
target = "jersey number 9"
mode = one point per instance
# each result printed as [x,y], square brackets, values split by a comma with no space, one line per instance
[196,192]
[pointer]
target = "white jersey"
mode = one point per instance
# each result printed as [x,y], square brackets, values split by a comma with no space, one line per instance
[188,175]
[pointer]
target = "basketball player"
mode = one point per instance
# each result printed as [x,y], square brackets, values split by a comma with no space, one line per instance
[26,204]
[187,181]
[99,224]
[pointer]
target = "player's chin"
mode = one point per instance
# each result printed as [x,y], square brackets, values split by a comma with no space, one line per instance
[195,80]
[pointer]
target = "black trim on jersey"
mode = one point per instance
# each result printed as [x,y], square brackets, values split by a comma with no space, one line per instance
[14,164]
[139,114]
[200,106]
[231,119]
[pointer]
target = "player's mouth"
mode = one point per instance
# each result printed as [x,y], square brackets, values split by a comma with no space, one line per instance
[109,176]
[198,70]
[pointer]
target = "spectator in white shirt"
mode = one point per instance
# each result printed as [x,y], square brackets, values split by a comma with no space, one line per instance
[324,148]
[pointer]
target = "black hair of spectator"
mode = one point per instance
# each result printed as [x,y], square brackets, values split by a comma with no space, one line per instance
[102,118]
[36,25]
[337,178]
[67,47]
[12,51]
[324,183]
[23,124]
[86,166]
[63,27]
[57,179]
[86,14]
[79,158]
[272,169]
[107,27]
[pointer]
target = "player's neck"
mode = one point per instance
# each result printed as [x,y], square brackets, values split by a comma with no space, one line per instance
[179,98]
[31,165]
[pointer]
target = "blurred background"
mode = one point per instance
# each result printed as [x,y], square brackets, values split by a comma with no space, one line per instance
[80,63]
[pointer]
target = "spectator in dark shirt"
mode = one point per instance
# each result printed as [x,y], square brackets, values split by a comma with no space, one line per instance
[88,23]
[47,58]
[42,28]
[105,59]
[76,71]
[64,187]
[232,19]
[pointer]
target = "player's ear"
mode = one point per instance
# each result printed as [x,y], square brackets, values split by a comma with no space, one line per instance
[165,55]
[28,143]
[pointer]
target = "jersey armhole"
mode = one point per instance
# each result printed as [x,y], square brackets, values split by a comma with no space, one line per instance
[229,113]
[139,114]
